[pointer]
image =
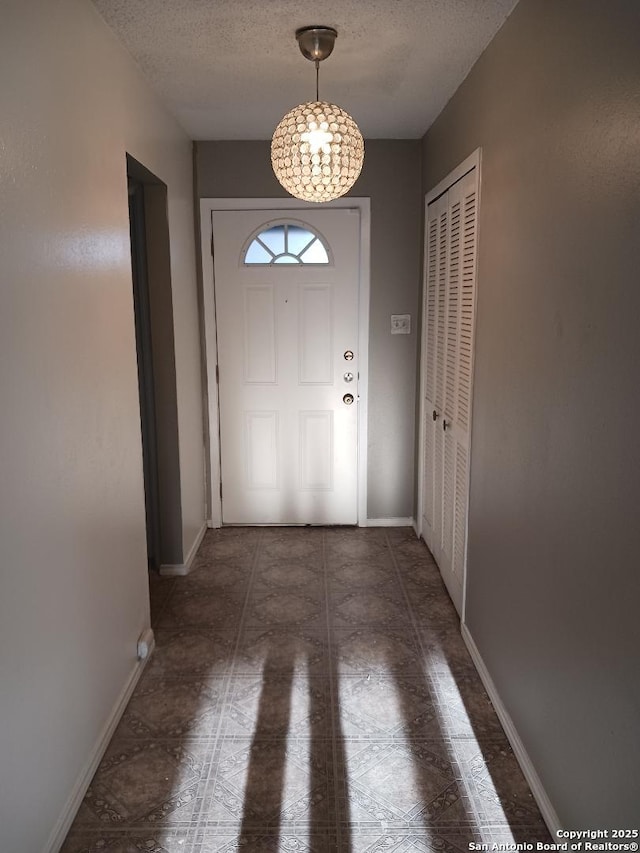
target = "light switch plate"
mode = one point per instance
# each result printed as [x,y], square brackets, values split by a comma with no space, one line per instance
[401,324]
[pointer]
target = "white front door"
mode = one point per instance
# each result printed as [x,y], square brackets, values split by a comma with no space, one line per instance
[286,290]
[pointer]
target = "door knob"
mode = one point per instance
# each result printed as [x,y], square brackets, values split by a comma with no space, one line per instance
[348,377]
[348,399]
[435,415]
[445,424]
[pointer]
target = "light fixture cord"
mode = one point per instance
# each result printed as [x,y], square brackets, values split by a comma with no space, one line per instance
[317,61]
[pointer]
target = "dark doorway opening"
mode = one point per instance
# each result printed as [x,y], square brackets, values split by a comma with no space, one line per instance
[153,310]
[145,369]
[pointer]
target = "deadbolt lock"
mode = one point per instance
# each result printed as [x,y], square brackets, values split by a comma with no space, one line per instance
[348,377]
[348,356]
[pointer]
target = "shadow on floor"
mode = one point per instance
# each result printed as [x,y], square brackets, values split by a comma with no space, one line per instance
[309,691]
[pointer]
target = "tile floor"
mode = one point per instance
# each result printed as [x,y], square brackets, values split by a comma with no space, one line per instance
[309,692]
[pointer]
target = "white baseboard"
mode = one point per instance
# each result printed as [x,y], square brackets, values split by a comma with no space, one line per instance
[526,765]
[369,522]
[169,570]
[63,824]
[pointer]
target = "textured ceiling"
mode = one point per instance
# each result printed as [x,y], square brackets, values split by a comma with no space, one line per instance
[230,69]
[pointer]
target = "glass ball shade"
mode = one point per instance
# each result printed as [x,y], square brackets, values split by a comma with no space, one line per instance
[317,151]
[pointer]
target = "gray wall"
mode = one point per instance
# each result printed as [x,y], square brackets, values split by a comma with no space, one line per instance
[554,539]
[391,178]
[74,592]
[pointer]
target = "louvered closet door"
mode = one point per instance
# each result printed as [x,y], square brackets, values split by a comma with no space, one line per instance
[448,340]
[433,331]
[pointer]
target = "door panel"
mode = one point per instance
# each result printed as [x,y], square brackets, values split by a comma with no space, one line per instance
[449,305]
[259,335]
[434,328]
[261,450]
[316,450]
[315,330]
[288,439]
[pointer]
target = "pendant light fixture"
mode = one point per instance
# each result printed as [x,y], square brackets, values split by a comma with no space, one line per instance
[317,150]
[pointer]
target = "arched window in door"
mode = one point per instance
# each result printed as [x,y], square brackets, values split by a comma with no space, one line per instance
[285,243]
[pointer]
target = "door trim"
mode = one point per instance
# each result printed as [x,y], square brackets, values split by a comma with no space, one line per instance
[212,430]
[473,161]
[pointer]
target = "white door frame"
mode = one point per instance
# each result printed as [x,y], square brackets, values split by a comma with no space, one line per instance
[473,161]
[212,461]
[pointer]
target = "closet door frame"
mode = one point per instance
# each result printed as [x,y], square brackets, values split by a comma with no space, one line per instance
[474,161]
